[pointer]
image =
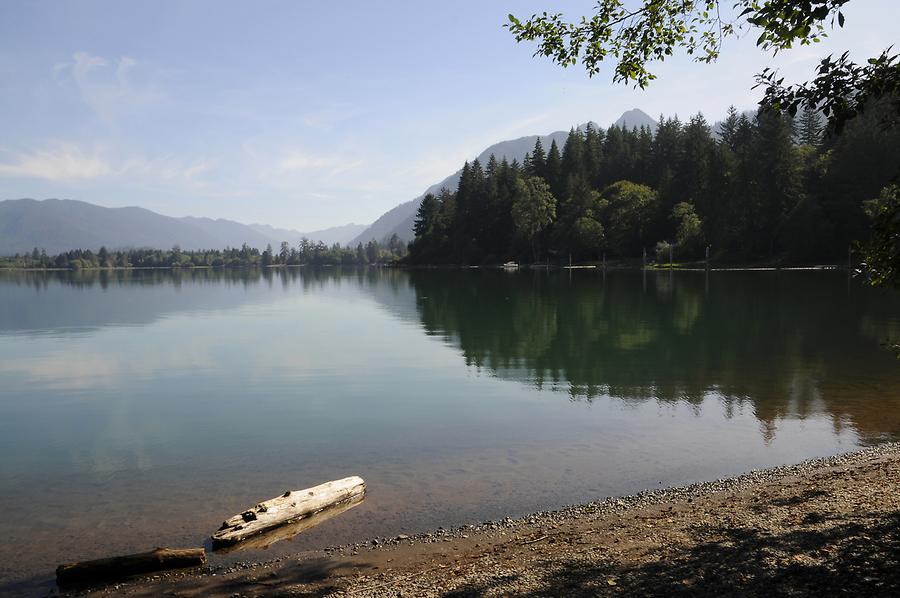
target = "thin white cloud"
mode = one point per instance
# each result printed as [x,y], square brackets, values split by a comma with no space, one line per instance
[106,86]
[63,162]
[83,63]
[309,164]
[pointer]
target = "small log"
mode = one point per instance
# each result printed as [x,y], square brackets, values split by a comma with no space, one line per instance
[161,559]
[290,507]
[264,540]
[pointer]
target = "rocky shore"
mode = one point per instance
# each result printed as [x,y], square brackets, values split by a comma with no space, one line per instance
[828,526]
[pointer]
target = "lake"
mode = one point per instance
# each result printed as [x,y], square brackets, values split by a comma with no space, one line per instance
[142,408]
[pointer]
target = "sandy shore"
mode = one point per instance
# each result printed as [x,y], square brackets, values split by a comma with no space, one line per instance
[823,527]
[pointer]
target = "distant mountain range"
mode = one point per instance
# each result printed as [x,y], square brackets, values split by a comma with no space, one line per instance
[62,224]
[400,220]
[336,234]
[58,225]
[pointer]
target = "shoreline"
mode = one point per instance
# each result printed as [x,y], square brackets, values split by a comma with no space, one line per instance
[690,267]
[783,529]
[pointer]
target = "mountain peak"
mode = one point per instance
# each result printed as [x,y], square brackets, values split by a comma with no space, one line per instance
[635,119]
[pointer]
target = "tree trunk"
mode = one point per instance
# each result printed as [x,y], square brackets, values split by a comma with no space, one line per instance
[160,559]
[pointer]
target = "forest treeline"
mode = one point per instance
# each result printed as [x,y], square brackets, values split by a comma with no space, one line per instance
[762,188]
[306,253]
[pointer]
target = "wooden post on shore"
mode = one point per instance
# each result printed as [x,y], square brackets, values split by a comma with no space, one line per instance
[671,247]
[644,262]
[707,257]
[604,261]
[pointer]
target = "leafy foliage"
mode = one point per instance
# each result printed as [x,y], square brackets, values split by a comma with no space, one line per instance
[841,89]
[533,208]
[655,30]
[689,228]
[882,253]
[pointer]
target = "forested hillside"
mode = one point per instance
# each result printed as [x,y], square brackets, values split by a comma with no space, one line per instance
[765,188]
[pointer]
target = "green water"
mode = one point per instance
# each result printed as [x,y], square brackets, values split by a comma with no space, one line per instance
[142,408]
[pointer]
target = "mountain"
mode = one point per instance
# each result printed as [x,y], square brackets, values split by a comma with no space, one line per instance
[58,225]
[635,119]
[400,220]
[336,234]
[229,233]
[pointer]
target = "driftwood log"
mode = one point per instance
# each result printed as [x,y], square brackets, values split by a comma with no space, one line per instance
[160,559]
[263,540]
[290,507]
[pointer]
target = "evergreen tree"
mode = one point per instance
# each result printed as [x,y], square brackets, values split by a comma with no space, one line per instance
[728,128]
[809,128]
[426,216]
[538,162]
[753,194]
[554,169]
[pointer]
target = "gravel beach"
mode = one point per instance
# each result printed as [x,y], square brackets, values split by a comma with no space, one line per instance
[827,526]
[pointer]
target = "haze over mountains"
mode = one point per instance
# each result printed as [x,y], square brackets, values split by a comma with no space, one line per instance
[400,219]
[58,225]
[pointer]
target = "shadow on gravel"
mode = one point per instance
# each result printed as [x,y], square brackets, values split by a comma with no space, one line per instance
[464,591]
[288,581]
[858,556]
[792,501]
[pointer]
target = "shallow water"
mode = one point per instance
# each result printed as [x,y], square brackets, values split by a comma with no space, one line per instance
[142,408]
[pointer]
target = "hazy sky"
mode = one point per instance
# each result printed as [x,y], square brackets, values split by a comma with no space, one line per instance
[310,114]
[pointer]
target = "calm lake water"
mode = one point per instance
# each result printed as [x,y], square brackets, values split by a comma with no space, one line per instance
[140,409]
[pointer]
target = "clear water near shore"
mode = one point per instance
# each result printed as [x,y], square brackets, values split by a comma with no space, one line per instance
[141,408]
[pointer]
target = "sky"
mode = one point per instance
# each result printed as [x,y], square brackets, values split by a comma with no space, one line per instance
[307,114]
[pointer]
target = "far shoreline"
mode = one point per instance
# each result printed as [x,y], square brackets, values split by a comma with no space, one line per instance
[688,267]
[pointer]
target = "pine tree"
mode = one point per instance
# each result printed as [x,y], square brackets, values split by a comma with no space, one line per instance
[572,158]
[554,169]
[728,127]
[426,216]
[538,163]
[809,128]
[593,151]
